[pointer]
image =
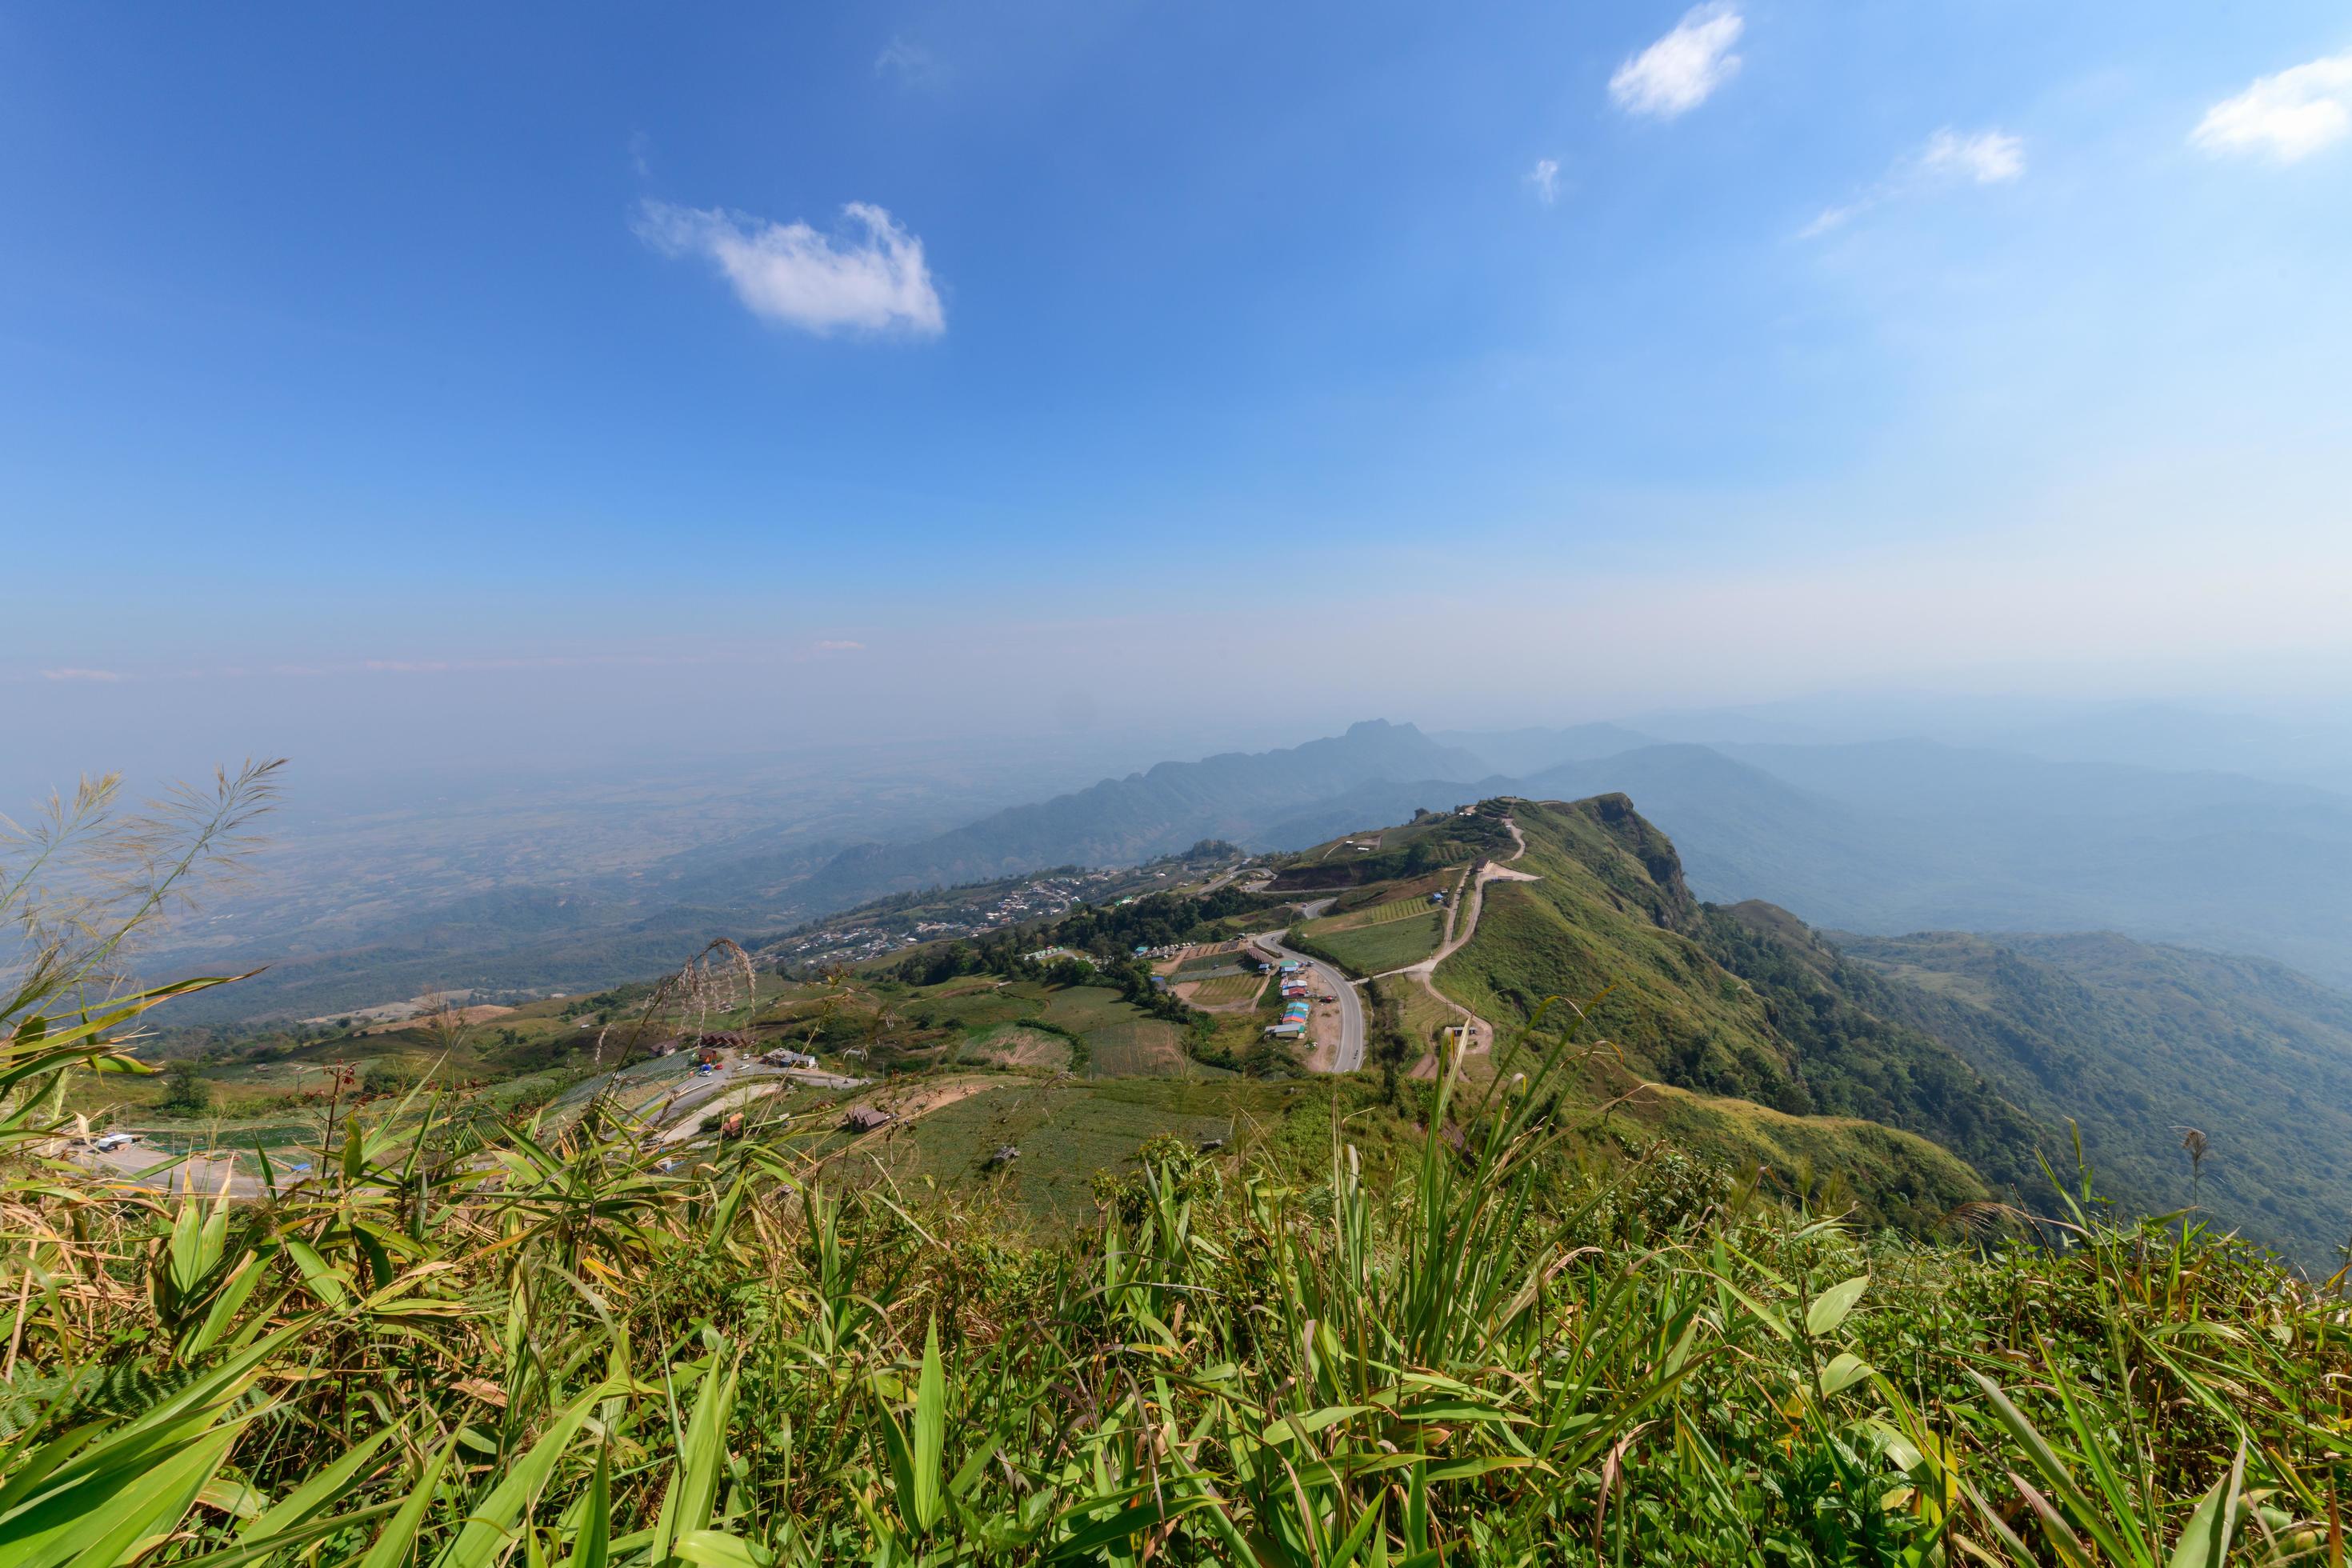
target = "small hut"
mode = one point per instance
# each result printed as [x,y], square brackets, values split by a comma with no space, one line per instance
[867,1118]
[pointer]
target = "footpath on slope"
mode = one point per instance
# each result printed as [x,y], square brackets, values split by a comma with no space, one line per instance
[1461,924]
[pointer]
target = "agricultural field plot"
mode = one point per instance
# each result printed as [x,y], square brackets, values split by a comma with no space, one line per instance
[1356,900]
[1121,1040]
[977,1010]
[1012,1046]
[1201,963]
[1142,1048]
[1424,1014]
[1065,1133]
[1223,990]
[1086,1008]
[1379,914]
[1393,944]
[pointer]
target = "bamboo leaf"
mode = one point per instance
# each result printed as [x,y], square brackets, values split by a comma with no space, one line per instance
[1829,1308]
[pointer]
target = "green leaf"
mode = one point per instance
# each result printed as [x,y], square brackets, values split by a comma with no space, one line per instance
[490,1528]
[396,1543]
[1829,1308]
[595,1546]
[2205,1544]
[298,1505]
[1844,1373]
[931,1434]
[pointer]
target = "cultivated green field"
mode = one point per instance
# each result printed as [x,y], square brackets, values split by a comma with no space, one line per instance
[1140,1047]
[1226,989]
[1012,1044]
[1065,1133]
[1393,944]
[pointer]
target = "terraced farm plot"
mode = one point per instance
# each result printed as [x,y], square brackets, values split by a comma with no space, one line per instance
[1121,1040]
[1355,901]
[1393,944]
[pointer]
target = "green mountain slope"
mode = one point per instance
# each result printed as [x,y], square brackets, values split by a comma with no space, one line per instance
[1752,1017]
[2139,1042]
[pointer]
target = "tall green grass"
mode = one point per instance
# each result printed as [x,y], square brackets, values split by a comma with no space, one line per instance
[465,1342]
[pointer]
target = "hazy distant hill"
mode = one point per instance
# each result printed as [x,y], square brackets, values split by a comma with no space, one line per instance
[1910,834]
[2139,1042]
[1233,796]
[1519,753]
[1958,838]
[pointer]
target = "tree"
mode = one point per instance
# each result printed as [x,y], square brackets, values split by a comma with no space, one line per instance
[184,1090]
[384,1075]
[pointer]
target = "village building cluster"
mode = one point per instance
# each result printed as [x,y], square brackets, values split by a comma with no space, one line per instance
[1297,1001]
[984,909]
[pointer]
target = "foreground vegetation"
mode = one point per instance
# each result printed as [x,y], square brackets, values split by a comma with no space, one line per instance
[465,1343]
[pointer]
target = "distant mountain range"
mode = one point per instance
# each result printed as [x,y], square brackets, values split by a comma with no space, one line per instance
[1885,836]
[1232,796]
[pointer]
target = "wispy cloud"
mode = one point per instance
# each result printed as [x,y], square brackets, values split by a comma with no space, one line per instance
[912,63]
[839,644]
[1981,157]
[72,674]
[1545,178]
[1950,157]
[1681,71]
[2286,116]
[871,278]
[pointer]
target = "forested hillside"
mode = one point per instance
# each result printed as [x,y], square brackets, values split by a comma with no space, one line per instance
[2139,1044]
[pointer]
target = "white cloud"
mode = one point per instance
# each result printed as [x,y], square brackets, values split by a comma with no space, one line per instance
[70,674]
[1545,178]
[840,645]
[1975,157]
[2290,115]
[1986,157]
[871,278]
[1677,73]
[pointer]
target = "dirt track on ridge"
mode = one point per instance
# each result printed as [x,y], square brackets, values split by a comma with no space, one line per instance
[1462,924]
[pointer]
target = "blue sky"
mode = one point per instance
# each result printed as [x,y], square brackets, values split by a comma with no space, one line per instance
[389,361]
